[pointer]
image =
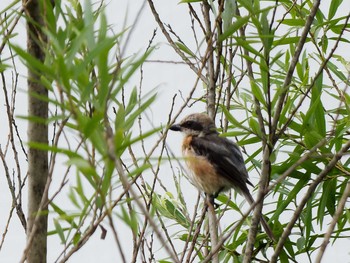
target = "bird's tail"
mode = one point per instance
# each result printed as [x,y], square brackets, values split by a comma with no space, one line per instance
[267,228]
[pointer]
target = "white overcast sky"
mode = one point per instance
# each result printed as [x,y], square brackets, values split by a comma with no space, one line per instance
[168,78]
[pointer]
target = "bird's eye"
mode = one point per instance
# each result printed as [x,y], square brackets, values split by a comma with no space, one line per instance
[192,125]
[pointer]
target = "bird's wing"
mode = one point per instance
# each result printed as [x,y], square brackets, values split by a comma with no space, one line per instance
[225,156]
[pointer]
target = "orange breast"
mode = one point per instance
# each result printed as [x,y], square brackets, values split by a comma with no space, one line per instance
[203,173]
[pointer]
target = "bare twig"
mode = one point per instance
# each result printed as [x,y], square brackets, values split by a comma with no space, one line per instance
[338,213]
[172,43]
[306,197]
[293,63]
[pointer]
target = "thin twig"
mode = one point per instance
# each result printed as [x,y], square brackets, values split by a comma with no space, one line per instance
[338,213]
[172,43]
[310,191]
[293,63]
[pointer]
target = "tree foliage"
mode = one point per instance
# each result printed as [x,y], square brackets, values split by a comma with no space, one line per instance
[274,75]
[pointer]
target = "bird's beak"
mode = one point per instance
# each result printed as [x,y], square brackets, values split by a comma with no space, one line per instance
[175,127]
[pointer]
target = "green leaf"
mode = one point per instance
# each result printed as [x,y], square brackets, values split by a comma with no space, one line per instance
[73,199]
[308,219]
[253,140]
[185,49]
[257,92]
[255,127]
[333,8]
[228,13]
[225,200]
[247,45]
[76,238]
[133,116]
[86,169]
[132,101]
[107,177]
[64,215]
[293,22]
[336,71]
[283,257]
[170,208]
[311,138]
[230,118]
[239,23]
[129,217]
[287,41]
[300,243]
[317,103]
[327,200]
[59,230]
[33,63]
[291,196]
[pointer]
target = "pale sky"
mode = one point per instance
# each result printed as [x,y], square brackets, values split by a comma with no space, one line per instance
[167,78]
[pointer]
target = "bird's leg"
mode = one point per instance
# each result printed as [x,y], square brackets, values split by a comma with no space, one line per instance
[210,200]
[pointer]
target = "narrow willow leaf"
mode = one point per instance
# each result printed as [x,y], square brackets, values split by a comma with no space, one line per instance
[291,196]
[308,219]
[336,71]
[287,41]
[255,126]
[239,23]
[327,200]
[333,8]
[293,22]
[59,230]
[228,13]
[185,49]
[225,200]
[86,169]
[283,257]
[33,63]
[319,109]
[258,92]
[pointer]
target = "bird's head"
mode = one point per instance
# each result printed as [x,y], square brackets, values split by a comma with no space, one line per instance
[197,124]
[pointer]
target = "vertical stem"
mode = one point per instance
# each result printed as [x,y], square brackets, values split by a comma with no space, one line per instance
[337,215]
[210,62]
[38,133]
[265,171]
[213,227]
[264,180]
[212,77]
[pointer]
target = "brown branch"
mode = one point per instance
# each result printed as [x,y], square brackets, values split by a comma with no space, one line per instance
[293,63]
[211,83]
[265,173]
[338,213]
[311,85]
[172,43]
[36,248]
[332,163]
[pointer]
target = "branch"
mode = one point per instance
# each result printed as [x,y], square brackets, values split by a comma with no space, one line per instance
[128,187]
[213,227]
[210,63]
[338,213]
[172,43]
[291,69]
[306,197]
[322,67]
[264,181]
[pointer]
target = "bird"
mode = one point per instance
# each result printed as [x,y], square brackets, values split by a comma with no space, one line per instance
[216,163]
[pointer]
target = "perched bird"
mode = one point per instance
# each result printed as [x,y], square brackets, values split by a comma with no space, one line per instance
[216,163]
